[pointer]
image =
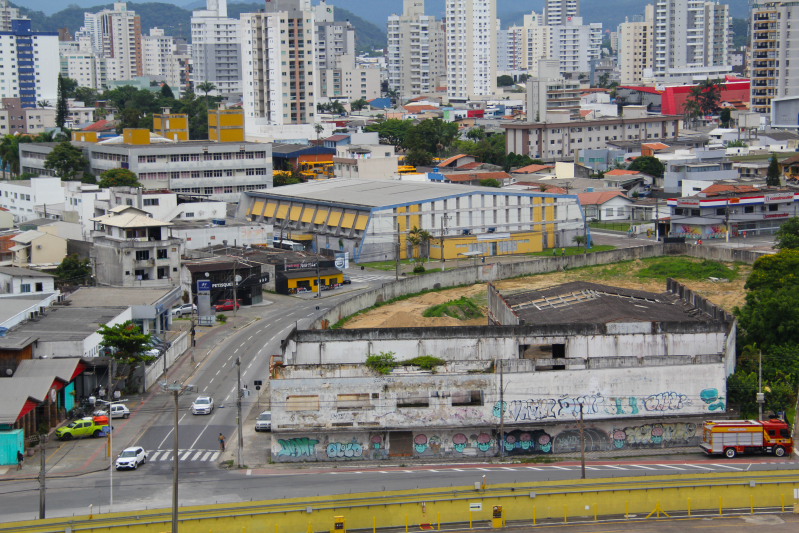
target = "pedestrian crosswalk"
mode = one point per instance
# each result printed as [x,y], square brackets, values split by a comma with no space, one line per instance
[183,455]
[362,278]
[683,467]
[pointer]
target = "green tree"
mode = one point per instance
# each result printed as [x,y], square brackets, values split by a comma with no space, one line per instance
[130,118]
[118,177]
[87,95]
[43,103]
[166,92]
[73,270]
[737,144]
[9,152]
[418,158]
[70,86]
[476,134]
[391,131]
[318,128]
[648,165]
[419,239]
[690,110]
[710,95]
[504,80]
[724,117]
[206,87]
[431,134]
[773,173]
[359,104]
[787,237]
[65,160]
[61,109]
[393,94]
[127,345]
[490,182]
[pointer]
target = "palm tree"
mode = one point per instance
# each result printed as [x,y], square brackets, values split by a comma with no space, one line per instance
[318,128]
[206,87]
[359,104]
[709,95]
[691,109]
[418,238]
[9,152]
[393,94]
[46,137]
[43,103]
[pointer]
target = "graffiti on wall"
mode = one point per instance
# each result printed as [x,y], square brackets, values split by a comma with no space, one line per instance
[551,408]
[299,447]
[344,450]
[475,444]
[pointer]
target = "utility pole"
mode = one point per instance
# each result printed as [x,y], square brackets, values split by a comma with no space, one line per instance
[501,411]
[238,406]
[235,302]
[657,219]
[318,280]
[398,251]
[111,436]
[582,445]
[727,220]
[761,398]
[175,394]
[585,236]
[42,482]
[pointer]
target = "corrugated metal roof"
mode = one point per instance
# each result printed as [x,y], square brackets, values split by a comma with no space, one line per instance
[24,272]
[129,220]
[14,392]
[62,368]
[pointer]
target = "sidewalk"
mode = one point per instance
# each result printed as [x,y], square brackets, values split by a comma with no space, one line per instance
[87,455]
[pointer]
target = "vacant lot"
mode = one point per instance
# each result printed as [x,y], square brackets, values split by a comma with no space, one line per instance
[647,275]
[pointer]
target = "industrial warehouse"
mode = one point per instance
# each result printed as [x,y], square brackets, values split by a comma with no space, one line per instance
[368,218]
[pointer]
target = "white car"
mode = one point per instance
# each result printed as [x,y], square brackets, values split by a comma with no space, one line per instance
[264,421]
[117,411]
[203,405]
[185,309]
[131,458]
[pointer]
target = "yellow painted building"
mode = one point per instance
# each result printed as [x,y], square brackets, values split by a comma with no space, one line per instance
[85,136]
[289,282]
[173,126]
[136,136]
[226,125]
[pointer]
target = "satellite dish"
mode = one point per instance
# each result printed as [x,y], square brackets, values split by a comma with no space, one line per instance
[207,274]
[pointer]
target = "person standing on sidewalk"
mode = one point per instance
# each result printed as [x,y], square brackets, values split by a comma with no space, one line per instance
[20,458]
[221,442]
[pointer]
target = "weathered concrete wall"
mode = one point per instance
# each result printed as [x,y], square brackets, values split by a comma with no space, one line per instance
[347,346]
[499,312]
[442,401]
[469,441]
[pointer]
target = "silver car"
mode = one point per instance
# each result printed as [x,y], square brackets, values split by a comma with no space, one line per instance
[264,421]
[203,405]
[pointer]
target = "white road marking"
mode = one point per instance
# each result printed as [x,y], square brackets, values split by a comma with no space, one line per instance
[674,467]
[218,371]
[197,455]
[249,471]
[533,468]
[198,437]
[561,468]
[432,470]
[228,396]
[186,455]
[165,456]
[244,374]
[212,380]
[725,466]
[507,468]
[247,339]
[457,470]
[644,467]
[205,457]
[154,456]
[237,350]
[591,468]
[243,343]
[214,456]
[181,419]
[206,388]
[248,366]
[229,358]
[697,466]
[616,467]
[484,469]
[167,436]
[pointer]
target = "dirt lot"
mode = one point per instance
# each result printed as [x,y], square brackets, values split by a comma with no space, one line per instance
[408,313]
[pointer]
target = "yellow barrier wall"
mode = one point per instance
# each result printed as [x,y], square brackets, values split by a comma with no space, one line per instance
[558,500]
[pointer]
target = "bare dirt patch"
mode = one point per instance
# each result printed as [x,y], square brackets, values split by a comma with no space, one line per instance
[408,313]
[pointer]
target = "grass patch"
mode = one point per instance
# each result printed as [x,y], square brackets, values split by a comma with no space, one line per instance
[685,268]
[427,271]
[462,309]
[575,250]
[616,226]
[387,265]
[384,362]
[539,459]
[346,319]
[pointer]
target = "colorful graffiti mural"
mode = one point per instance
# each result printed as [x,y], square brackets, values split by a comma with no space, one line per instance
[347,450]
[298,447]
[569,408]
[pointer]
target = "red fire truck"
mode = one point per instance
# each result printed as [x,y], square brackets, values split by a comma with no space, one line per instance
[732,437]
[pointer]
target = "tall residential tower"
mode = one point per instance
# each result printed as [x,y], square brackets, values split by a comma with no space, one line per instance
[471,48]
[216,48]
[416,51]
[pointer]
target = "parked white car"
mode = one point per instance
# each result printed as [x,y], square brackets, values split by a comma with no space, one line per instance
[185,309]
[264,421]
[131,458]
[117,411]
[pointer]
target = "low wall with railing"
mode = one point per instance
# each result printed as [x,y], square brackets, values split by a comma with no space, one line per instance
[155,370]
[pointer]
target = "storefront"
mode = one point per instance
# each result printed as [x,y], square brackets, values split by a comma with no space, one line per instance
[307,280]
[221,274]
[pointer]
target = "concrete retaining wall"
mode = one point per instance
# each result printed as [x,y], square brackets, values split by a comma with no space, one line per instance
[156,369]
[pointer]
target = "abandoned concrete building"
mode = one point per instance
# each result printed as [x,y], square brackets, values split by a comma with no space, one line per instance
[646,370]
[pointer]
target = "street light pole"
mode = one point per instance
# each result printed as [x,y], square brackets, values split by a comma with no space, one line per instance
[761,398]
[42,481]
[175,393]
[238,406]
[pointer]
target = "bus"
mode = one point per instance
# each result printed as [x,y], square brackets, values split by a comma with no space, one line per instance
[288,245]
[406,169]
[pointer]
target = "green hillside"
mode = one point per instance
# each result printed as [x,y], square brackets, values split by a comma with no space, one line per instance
[176,21]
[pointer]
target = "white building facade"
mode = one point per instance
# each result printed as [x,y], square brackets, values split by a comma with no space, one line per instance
[635,48]
[471,49]
[416,51]
[772,45]
[558,12]
[216,48]
[116,36]
[30,65]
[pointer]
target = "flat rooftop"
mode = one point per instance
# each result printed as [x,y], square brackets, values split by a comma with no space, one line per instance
[116,298]
[182,223]
[67,323]
[582,302]
[377,193]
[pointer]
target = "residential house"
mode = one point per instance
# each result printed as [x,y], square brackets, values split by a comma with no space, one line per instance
[36,248]
[605,206]
[15,280]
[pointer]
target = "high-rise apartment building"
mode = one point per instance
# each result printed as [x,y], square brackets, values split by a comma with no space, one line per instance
[536,41]
[576,44]
[692,40]
[333,39]
[548,91]
[510,47]
[157,49]
[416,51]
[30,64]
[558,12]
[278,54]
[635,47]
[80,63]
[471,45]
[7,14]
[216,48]
[116,36]
[772,45]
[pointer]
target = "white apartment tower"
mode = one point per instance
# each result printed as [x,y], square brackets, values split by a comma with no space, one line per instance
[416,51]
[575,44]
[558,12]
[116,36]
[157,49]
[471,46]
[510,47]
[216,48]
[635,47]
[278,56]
[773,43]
[80,63]
[536,41]
[30,64]
[692,40]
[7,14]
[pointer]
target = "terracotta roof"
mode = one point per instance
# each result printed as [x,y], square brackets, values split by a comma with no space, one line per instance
[598,198]
[537,186]
[532,169]
[469,166]
[420,108]
[621,172]
[586,112]
[339,137]
[452,159]
[418,99]
[655,146]
[3,209]
[477,176]
[100,125]
[717,188]
[791,160]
